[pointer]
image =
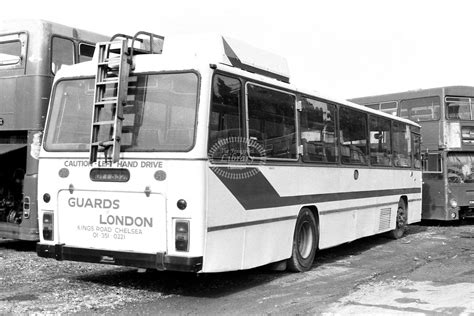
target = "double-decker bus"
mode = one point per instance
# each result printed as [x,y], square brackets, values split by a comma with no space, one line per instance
[209,160]
[31,51]
[446,116]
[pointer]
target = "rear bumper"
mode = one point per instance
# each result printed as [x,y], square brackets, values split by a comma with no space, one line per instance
[159,261]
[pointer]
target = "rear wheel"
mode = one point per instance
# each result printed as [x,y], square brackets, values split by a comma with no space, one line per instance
[401,221]
[305,242]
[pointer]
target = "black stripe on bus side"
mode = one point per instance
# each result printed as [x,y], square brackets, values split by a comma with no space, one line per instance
[256,192]
[272,220]
[245,224]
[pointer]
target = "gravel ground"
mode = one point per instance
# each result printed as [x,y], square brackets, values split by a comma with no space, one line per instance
[30,284]
[429,253]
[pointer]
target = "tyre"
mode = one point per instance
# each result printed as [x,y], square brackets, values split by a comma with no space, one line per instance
[305,242]
[401,221]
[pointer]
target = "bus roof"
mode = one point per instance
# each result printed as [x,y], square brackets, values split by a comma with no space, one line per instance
[38,25]
[196,52]
[466,91]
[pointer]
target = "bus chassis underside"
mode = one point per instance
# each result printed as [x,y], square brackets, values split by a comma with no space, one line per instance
[12,172]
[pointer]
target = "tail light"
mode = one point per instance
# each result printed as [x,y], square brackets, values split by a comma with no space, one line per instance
[48,226]
[26,207]
[182,235]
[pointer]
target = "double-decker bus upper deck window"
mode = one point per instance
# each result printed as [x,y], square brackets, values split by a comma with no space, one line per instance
[11,49]
[389,107]
[271,116]
[402,149]
[86,52]
[317,123]
[226,119]
[375,106]
[421,109]
[353,136]
[380,141]
[459,108]
[160,115]
[62,53]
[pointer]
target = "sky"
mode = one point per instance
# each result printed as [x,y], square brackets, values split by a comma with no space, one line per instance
[341,48]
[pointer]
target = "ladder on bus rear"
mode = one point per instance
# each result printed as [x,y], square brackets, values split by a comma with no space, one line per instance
[113,69]
[113,73]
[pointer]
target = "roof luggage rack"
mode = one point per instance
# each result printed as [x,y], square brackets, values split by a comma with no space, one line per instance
[141,43]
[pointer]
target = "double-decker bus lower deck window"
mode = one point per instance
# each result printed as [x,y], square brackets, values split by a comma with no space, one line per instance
[432,163]
[353,136]
[460,167]
[271,116]
[160,114]
[317,122]
[225,126]
[380,142]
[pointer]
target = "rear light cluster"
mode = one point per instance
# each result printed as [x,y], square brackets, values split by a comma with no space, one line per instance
[48,226]
[182,235]
[26,207]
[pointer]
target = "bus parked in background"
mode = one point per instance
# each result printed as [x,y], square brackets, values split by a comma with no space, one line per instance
[31,51]
[207,159]
[446,116]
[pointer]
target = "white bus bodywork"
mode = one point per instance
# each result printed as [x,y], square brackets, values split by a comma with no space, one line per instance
[233,223]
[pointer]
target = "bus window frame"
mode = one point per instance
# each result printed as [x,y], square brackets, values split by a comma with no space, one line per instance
[336,131]
[417,133]
[23,50]
[424,157]
[196,116]
[471,108]
[241,106]
[409,143]
[373,106]
[74,53]
[247,121]
[385,102]
[372,165]
[367,139]
[78,57]
[440,113]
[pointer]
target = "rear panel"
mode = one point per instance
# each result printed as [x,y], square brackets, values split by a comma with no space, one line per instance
[107,218]
[111,220]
